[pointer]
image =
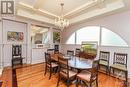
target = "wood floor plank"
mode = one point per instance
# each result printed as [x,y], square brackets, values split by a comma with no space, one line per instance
[33,76]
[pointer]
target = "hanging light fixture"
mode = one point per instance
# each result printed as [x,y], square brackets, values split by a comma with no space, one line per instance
[60,21]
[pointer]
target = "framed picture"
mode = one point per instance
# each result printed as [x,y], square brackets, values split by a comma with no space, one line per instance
[90,47]
[56,37]
[15,36]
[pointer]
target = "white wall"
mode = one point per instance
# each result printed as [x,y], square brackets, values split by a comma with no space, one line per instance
[38,55]
[32,56]
[118,23]
[0,44]
[13,26]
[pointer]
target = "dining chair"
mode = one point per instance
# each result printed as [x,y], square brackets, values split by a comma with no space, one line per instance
[104,57]
[64,71]
[51,51]
[49,64]
[120,64]
[17,58]
[89,76]
[77,52]
[70,52]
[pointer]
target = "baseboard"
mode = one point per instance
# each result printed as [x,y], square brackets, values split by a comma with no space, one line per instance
[104,72]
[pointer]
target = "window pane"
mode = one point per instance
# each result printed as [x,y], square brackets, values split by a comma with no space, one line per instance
[110,38]
[71,39]
[88,34]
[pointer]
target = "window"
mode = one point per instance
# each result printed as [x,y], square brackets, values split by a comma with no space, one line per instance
[71,39]
[92,33]
[110,38]
[87,34]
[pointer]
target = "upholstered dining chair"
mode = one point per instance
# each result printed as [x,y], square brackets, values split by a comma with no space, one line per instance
[49,64]
[77,52]
[120,64]
[104,57]
[64,71]
[70,52]
[89,76]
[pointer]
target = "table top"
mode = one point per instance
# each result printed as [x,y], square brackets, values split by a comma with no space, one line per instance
[75,62]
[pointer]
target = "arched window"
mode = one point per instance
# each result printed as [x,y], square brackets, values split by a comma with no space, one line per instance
[88,34]
[110,38]
[92,33]
[71,39]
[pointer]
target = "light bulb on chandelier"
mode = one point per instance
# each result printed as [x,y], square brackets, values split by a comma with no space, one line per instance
[60,21]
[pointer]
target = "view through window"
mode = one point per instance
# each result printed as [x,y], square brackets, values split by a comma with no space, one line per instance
[102,35]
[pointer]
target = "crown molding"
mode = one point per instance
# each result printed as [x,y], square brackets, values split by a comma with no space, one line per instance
[31,8]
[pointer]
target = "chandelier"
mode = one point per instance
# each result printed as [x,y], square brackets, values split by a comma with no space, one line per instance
[60,21]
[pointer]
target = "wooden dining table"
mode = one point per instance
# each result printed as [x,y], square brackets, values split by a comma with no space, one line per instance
[75,62]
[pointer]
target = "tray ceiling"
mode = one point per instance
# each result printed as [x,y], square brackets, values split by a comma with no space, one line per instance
[47,10]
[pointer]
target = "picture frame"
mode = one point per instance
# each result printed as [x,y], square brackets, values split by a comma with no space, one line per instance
[56,37]
[15,36]
[90,47]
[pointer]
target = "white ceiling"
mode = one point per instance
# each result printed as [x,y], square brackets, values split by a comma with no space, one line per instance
[74,10]
[53,6]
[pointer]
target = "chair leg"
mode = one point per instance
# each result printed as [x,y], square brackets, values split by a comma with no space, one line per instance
[50,73]
[106,70]
[45,70]
[96,82]
[113,71]
[77,82]
[90,84]
[58,80]
[68,82]
[56,70]
[109,71]
[126,82]
[99,67]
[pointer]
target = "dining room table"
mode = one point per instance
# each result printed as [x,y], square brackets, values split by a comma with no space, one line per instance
[74,61]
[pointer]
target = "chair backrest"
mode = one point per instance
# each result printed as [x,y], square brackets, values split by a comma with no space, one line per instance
[56,48]
[64,68]
[16,51]
[77,52]
[94,70]
[104,55]
[70,52]
[47,58]
[95,63]
[120,58]
[50,51]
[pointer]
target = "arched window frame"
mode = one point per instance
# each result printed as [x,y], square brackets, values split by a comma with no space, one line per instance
[100,37]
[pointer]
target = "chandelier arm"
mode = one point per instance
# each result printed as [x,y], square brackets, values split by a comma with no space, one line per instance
[61,22]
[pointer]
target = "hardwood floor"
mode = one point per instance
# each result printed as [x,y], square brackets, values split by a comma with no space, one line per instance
[33,76]
[7,77]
